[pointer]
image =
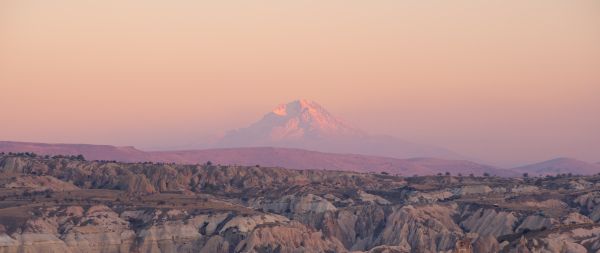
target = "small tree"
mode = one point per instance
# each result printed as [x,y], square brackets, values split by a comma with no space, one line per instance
[485,174]
[525,175]
[447,173]
[80,157]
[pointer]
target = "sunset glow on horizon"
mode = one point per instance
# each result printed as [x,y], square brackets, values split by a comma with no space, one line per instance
[504,82]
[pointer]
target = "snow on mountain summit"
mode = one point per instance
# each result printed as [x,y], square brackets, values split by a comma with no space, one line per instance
[303,118]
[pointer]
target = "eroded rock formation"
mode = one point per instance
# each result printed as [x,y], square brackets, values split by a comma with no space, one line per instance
[69,205]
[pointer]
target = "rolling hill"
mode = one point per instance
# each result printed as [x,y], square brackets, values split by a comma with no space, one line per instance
[264,156]
[560,166]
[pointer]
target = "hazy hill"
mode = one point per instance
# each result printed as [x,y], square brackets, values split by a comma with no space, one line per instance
[282,157]
[559,166]
[304,159]
[91,152]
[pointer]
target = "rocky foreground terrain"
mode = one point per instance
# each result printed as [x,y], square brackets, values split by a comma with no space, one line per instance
[66,204]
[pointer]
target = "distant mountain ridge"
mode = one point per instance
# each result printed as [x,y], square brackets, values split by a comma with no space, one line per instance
[559,166]
[307,125]
[90,151]
[265,156]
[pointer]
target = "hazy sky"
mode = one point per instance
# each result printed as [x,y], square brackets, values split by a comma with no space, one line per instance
[507,82]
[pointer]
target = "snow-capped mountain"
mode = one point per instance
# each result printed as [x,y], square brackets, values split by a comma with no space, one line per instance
[307,125]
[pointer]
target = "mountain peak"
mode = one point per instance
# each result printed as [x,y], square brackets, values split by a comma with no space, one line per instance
[297,106]
[289,124]
[306,124]
[303,118]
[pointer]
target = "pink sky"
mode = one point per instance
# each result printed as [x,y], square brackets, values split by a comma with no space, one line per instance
[507,82]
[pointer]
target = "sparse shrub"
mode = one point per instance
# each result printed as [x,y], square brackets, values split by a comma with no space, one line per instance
[538,182]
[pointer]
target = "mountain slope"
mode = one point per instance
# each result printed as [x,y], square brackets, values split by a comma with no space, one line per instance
[307,125]
[281,157]
[559,166]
